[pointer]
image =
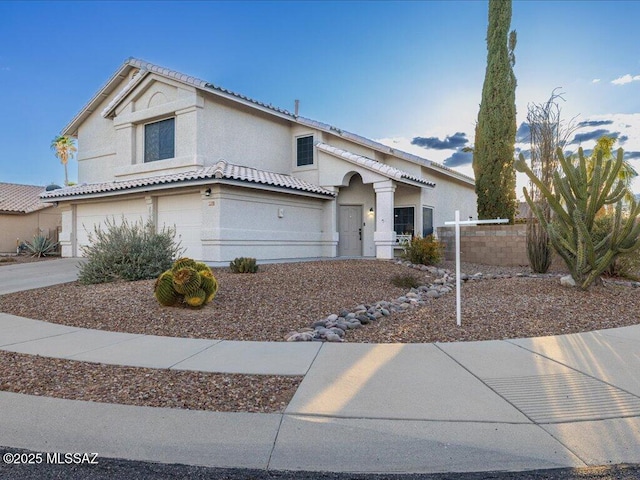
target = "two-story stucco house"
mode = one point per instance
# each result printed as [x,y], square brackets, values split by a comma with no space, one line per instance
[237,177]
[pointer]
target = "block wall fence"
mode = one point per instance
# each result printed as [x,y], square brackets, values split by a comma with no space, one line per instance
[503,245]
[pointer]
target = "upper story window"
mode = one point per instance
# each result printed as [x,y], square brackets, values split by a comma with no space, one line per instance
[304,151]
[159,140]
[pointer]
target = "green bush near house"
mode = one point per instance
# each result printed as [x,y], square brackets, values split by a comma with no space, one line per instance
[128,251]
[423,250]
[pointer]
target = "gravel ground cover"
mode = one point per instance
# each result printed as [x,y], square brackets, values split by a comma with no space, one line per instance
[264,306]
[281,298]
[51,377]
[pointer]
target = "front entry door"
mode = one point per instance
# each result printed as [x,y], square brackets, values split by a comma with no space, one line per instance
[350,230]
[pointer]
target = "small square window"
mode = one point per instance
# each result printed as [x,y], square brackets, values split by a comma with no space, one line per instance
[304,151]
[159,140]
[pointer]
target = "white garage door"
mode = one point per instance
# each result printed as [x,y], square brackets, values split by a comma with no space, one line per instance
[90,215]
[184,213]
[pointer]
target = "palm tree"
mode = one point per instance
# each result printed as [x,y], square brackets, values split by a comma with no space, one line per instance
[64,148]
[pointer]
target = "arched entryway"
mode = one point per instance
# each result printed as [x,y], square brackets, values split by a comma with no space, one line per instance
[356,218]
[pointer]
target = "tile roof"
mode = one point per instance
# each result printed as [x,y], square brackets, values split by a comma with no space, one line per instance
[16,198]
[374,165]
[222,170]
[384,148]
[146,68]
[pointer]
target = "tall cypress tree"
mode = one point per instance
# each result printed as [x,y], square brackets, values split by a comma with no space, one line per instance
[493,153]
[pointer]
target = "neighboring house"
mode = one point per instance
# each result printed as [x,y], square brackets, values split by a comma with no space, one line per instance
[23,215]
[237,177]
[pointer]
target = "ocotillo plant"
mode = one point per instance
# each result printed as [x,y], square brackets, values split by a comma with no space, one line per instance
[579,195]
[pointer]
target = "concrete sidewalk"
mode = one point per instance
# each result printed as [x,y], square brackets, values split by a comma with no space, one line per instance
[566,401]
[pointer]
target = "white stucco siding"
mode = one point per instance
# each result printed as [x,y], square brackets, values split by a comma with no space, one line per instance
[153,94]
[97,146]
[264,225]
[447,197]
[336,172]
[184,213]
[404,165]
[91,215]
[244,138]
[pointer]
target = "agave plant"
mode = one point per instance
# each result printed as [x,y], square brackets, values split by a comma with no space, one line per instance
[41,246]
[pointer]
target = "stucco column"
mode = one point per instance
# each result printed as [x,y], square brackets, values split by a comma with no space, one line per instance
[330,225]
[126,144]
[152,211]
[67,238]
[384,237]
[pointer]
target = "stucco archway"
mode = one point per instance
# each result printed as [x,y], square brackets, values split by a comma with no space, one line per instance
[356,199]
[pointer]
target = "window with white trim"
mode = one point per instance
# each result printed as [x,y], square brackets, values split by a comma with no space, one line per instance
[159,140]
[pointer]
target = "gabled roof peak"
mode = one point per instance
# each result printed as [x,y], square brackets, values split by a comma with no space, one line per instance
[145,68]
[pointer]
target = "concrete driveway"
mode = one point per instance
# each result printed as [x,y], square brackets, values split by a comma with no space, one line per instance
[26,276]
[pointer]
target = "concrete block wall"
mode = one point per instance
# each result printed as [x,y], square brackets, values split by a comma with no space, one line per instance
[503,245]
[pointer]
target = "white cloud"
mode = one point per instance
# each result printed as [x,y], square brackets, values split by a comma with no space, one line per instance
[626,79]
[625,124]
[595,80]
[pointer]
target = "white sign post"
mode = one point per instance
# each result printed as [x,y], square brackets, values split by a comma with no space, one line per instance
[457,224]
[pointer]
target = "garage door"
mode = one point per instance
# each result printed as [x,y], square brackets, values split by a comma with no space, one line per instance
[184,213]
[91,215]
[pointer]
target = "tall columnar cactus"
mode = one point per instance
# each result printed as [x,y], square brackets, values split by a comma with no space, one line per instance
[187,282]
[580,194]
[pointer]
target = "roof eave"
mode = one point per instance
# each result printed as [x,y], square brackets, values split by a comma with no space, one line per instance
[380,147]
[251,104]
[185,184]
[72,127]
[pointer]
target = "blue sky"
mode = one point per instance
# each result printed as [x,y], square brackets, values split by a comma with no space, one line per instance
[391,71]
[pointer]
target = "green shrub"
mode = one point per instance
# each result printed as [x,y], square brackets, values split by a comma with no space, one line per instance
[405,281]
[243,265]
[423,250]
[127,251]
[183,284]
[41,246]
